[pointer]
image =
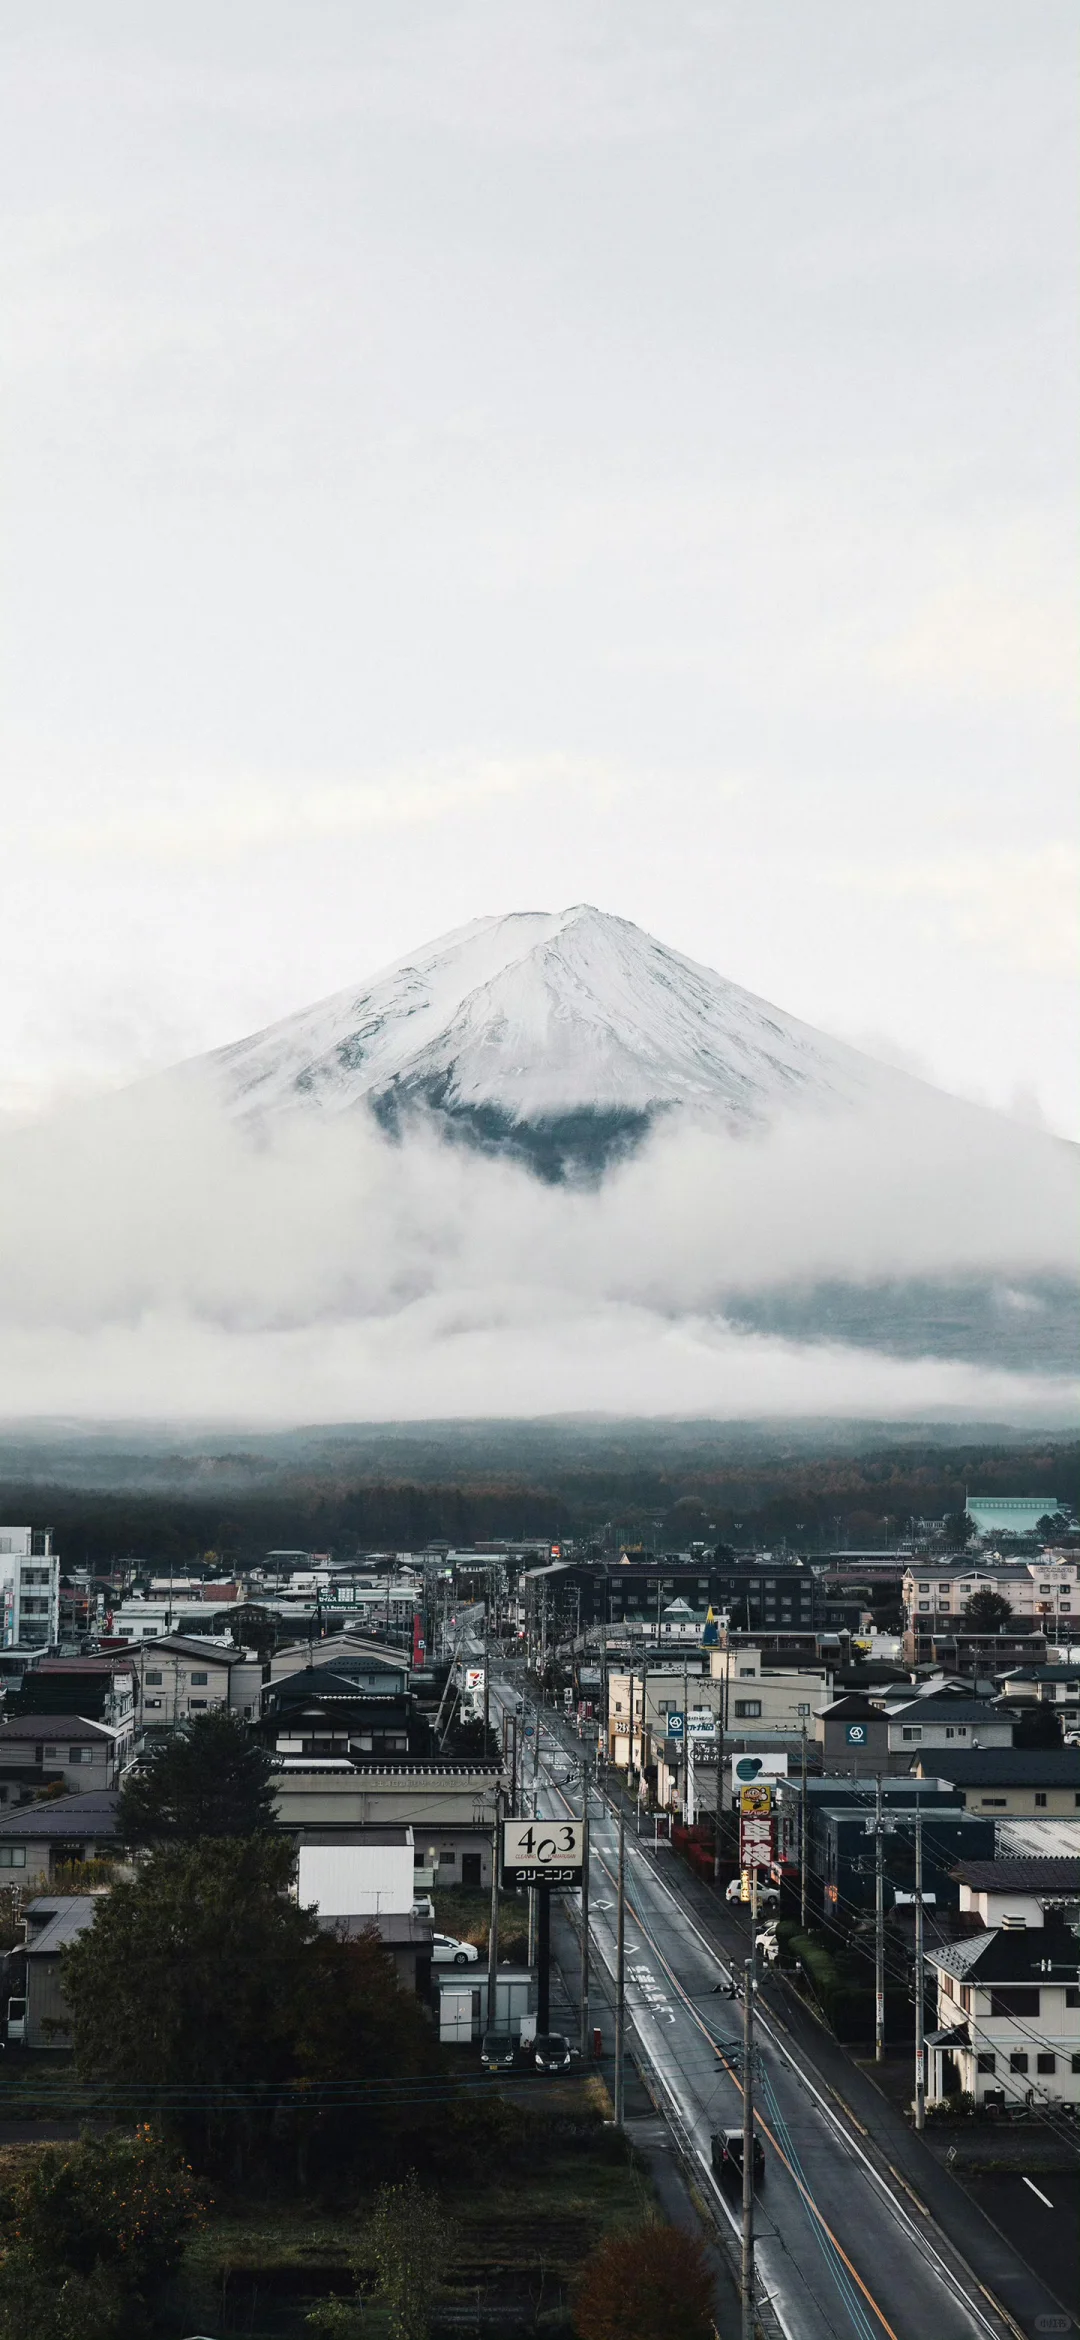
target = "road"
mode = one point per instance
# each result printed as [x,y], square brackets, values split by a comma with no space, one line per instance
[841,2253]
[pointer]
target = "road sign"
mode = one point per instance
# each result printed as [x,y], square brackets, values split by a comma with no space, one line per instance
[548,1853]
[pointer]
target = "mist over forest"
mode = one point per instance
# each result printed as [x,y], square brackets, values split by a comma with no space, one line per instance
[170,1497]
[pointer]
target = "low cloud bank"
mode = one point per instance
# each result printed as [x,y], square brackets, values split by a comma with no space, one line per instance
[156,1257]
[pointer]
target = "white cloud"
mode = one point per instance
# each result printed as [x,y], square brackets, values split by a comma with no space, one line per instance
[154,1258]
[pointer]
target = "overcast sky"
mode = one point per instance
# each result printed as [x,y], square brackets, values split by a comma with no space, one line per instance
[461,458]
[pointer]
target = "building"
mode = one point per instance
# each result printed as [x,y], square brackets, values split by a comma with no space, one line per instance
[39,1750]
[658,1692]
[139,1619]
[183,1675]
[1013,1515]
[633,1594]
[1042,1594]
[1008,2008]
[822,1796]
[101,1689]
[844,1867]
[29,1588]
[853,1735]
[36,1838]
[1000,1890]
[942,1719]
[1036,1780]
[368,1880]
[49,1927]
[1057,1686]
[367,1715]
[767,1692]
[450,1808]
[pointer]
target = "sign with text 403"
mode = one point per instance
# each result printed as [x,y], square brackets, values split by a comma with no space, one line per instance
[543,1852]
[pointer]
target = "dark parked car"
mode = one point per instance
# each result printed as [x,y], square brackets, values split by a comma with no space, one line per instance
[552,2051]
[498,2051]
[727,2158]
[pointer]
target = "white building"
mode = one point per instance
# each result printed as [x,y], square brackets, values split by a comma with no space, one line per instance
[1039,1592]
[29,1588]
[763,1694]
[1008,2007]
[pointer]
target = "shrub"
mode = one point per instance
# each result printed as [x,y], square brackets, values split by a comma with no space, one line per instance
[653,2285]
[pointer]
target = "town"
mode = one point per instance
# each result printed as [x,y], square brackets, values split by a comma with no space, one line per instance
[745,1883]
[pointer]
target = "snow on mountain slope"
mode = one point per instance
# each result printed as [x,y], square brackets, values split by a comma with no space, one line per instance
[557,1037]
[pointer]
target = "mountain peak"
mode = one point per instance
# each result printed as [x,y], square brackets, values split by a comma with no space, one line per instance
[558,1037]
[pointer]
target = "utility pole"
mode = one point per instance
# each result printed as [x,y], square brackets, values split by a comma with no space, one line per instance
[920,2047]
[685,1740]
[879,1929]
[802,1835]
[493,1923]
[487,1666]
[747,2272]
[585,1918]
[719,1782]
[620,1969]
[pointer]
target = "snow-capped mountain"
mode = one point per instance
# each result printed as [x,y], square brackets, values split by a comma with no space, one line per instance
[556,1037]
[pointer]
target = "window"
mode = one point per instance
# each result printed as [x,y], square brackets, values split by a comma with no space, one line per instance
[993,1803]
[153,1681]
[80,1754]
[1040,1799]
[50,1754]
[807,1709]
[1072,1995]
[986,2063]
[199,1681]
[1075,2063]
[12,1856]
[924,1604]
[746,1674]
[1015,1999]
[192,1702]
[911,1731]
[152,1702]
[1046,2063]
[747,1707]
[924,1588]
[1018,2061]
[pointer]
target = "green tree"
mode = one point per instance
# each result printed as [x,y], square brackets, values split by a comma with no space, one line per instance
[190,1979]
[409,2241]
[91,2231]
[987,1612]
[210,1778]
[652,2285]
[959,1530]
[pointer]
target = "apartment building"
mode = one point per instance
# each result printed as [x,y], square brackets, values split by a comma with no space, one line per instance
[1042,1594]
[29,1588]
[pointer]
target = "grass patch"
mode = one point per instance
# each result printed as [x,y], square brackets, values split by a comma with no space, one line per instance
[468,1916]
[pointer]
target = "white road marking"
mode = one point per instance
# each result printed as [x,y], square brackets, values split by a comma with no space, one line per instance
[1037,2190]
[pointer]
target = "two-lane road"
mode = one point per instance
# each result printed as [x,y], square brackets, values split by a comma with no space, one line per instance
[841,2253]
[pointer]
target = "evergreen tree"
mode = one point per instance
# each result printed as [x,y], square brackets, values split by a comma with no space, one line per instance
[210,1778]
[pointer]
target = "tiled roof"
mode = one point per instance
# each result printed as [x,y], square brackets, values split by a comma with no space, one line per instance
[53,1726]
[1019,1876]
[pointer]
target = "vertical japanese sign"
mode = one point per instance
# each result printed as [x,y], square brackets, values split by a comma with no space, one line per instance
[755,1826]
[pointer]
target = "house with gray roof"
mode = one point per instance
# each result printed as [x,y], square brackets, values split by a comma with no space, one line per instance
[41,1836]
[1008,2013]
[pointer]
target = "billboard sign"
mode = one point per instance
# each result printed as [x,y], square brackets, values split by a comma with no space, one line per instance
[673,1726]
[472,1689]
[703,1726]
[549,1853]
[755,1825]
[855,1734]
[745,1769]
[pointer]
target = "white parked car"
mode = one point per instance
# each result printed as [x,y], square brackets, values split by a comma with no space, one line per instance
[768,1896]
[447,1951]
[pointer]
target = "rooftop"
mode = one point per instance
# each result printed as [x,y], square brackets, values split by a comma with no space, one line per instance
[1034,1767]
[1019,1876]
[54,1726]
[90,1814]
[70,1918]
